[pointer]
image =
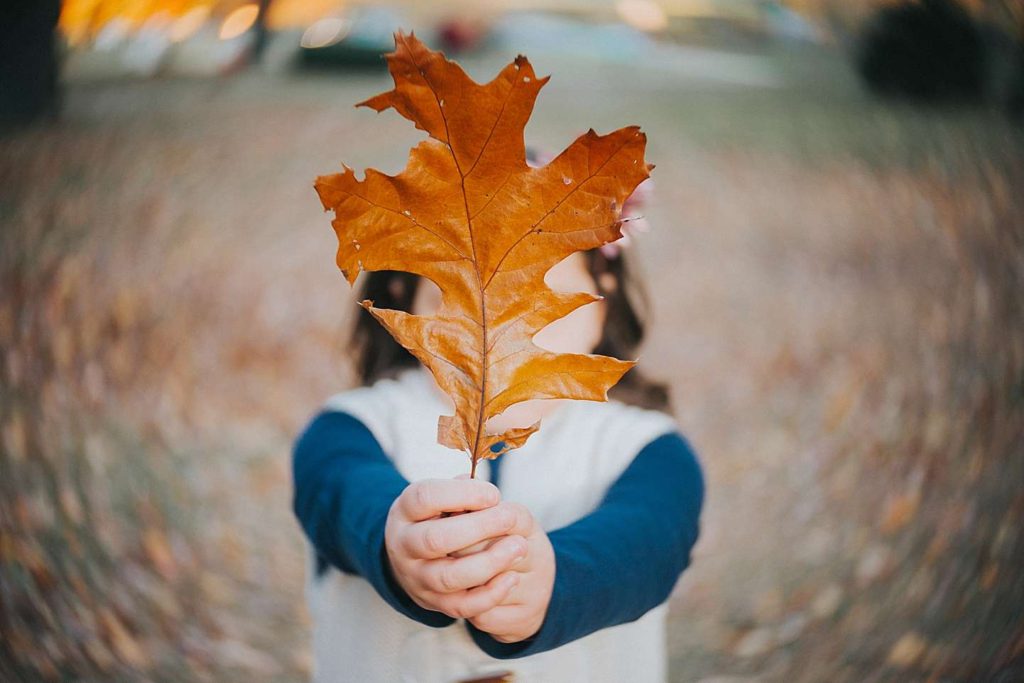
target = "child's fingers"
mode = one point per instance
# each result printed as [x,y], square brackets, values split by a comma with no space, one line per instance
[439,537]
[501,620]
[524,526]
[471,603]
[525,523]
[449,575]
[430,497]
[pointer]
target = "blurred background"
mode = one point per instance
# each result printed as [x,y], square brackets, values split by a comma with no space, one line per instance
[836,268]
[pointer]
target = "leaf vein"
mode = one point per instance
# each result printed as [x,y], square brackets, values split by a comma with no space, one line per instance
[550,211]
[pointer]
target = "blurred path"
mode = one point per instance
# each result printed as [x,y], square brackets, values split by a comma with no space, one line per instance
[836,295]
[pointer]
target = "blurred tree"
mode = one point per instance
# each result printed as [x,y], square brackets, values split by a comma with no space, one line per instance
[945,51]
[261,30]
[930,50]
[28,60]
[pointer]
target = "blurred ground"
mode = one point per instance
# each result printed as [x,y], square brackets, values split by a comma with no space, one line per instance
[837,293]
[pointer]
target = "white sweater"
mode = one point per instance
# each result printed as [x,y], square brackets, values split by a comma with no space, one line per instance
[561,475]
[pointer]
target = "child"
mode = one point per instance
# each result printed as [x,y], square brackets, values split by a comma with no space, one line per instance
[566,549]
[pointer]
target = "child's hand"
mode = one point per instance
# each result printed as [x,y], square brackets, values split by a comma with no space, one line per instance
[419,543]
[521,614]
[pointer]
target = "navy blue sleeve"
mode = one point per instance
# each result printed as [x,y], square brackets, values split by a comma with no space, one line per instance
[623,559]
[344,487]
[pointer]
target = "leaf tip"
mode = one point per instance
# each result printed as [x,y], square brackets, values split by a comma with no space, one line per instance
[374,103]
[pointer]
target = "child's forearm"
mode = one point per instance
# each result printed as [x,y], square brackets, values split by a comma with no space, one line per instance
[344,487]
[623,559]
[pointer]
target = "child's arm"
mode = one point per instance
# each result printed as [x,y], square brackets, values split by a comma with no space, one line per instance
[344,486]
[364,518]
[613,565]
[609,567]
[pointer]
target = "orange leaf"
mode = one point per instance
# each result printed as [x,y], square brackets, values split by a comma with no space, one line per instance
[469,214]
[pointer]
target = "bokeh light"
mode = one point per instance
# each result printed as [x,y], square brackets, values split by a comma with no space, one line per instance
[238,22]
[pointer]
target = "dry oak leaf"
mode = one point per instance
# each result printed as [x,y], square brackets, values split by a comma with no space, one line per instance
[469,214]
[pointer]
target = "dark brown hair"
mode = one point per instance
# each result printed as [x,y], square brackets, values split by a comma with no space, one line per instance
[379,355]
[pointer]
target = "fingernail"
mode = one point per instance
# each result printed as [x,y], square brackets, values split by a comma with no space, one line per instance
[493,495]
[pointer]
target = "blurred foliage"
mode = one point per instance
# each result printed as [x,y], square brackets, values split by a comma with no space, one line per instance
[935,51]
[930,51]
